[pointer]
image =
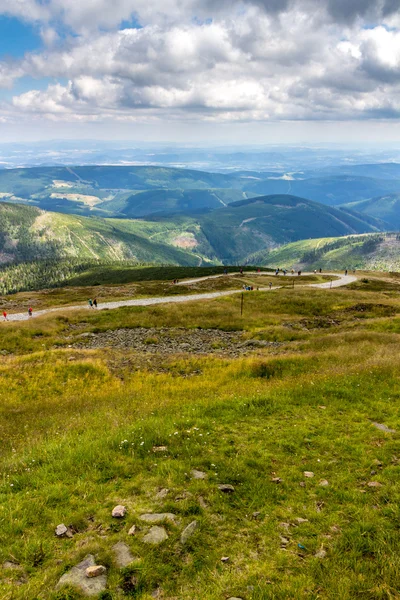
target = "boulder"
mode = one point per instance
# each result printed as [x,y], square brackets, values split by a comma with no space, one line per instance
[119,511]
[156,535]
[123,555]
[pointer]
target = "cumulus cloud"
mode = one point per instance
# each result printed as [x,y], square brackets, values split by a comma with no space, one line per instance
[253,60]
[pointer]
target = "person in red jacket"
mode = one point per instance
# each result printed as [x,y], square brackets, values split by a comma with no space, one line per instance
[30,311]
[5,315]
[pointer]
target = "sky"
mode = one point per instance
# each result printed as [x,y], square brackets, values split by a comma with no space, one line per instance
[252,71]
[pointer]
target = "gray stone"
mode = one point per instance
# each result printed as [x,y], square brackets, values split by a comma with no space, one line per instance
[300,520]
[61,530]
[374,484]
[95,571]
[284,541]
[308,474]
[158,517]
[188,531]
[198,474]
[162,494]
[8,564]
[156,535]
[123,555]
[224,559]
[324,483]
[132,530]
[276,480]
[321,553]
[226,488]
[76,577]
[160,448]
[119,511]
[384,428]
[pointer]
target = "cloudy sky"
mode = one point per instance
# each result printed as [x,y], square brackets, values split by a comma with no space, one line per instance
[250,71]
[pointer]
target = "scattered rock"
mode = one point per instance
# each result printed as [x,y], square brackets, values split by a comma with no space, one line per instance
[256,514]
[308,474]
[276,480]
[119,511]
[188,532]
[321,553]
[132,530]
[8,564]
[284,541]
[183,496]
[76,577]
[226,488]
[374,484]
[302,484]
[300,520]
[122,554]
[378,463]
[162,494]
[322,407]
[160,448]
[324,483]
[95,571]
[285,525]
[158,517]
[224,559]
[335,529]
[198,474]
[156,535]
[202,502]
[63,531]
[383,427]
[234,598]
[158,593]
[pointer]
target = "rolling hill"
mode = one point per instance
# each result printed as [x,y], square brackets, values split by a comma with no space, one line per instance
[386,208]
[245,227]
[371,252]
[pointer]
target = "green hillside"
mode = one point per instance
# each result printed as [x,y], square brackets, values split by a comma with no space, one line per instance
[386,208]
[245,227]
[379,252]
[27,233]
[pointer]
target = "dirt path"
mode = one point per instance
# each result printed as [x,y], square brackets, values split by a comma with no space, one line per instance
[342,280]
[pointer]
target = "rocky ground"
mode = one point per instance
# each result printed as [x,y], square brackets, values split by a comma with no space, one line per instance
[172,341]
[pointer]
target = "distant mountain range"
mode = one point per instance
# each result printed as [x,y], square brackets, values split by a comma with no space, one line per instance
[140,191]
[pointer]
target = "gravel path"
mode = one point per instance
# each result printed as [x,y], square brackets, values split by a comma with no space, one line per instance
[342,280]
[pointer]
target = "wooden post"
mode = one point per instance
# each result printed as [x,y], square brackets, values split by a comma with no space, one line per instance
[241,305]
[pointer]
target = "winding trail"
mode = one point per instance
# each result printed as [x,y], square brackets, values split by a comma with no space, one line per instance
[339,282]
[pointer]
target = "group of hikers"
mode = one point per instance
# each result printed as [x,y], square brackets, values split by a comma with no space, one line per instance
[92,303]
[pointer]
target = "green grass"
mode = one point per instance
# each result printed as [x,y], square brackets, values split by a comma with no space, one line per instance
[78,428]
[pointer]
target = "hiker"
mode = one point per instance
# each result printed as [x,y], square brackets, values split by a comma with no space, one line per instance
[299,273]
[292,271]
[345,272]
[30,311]
[270,284]
[277,272]
[320,270]
[95,303]
[5,315]
[284,271]
[90,302]
[241,271]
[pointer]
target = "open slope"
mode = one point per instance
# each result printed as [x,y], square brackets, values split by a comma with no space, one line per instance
[250,225]
[371,252]
[29,234]
[386,208]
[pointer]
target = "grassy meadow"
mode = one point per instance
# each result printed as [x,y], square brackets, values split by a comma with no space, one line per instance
[81,432]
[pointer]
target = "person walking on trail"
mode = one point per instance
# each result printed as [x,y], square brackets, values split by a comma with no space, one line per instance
[30,311]
[95,303]
[90,302]
[345,272]
[5,317]
[270,284]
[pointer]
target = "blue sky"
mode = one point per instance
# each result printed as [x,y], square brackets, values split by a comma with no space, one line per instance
[17,37]
[166,65]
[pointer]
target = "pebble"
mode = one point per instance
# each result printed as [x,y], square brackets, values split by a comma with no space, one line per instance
[226,488]
[95,571]
[156,535]
[224,559]
[300,520]
[276,480]
[119,511]
[132,530]
[308,474]
[63,531]
[284,541]
[160,448]
[321,553]
[324,483]
[374,484]
[8,564]
[188,532]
